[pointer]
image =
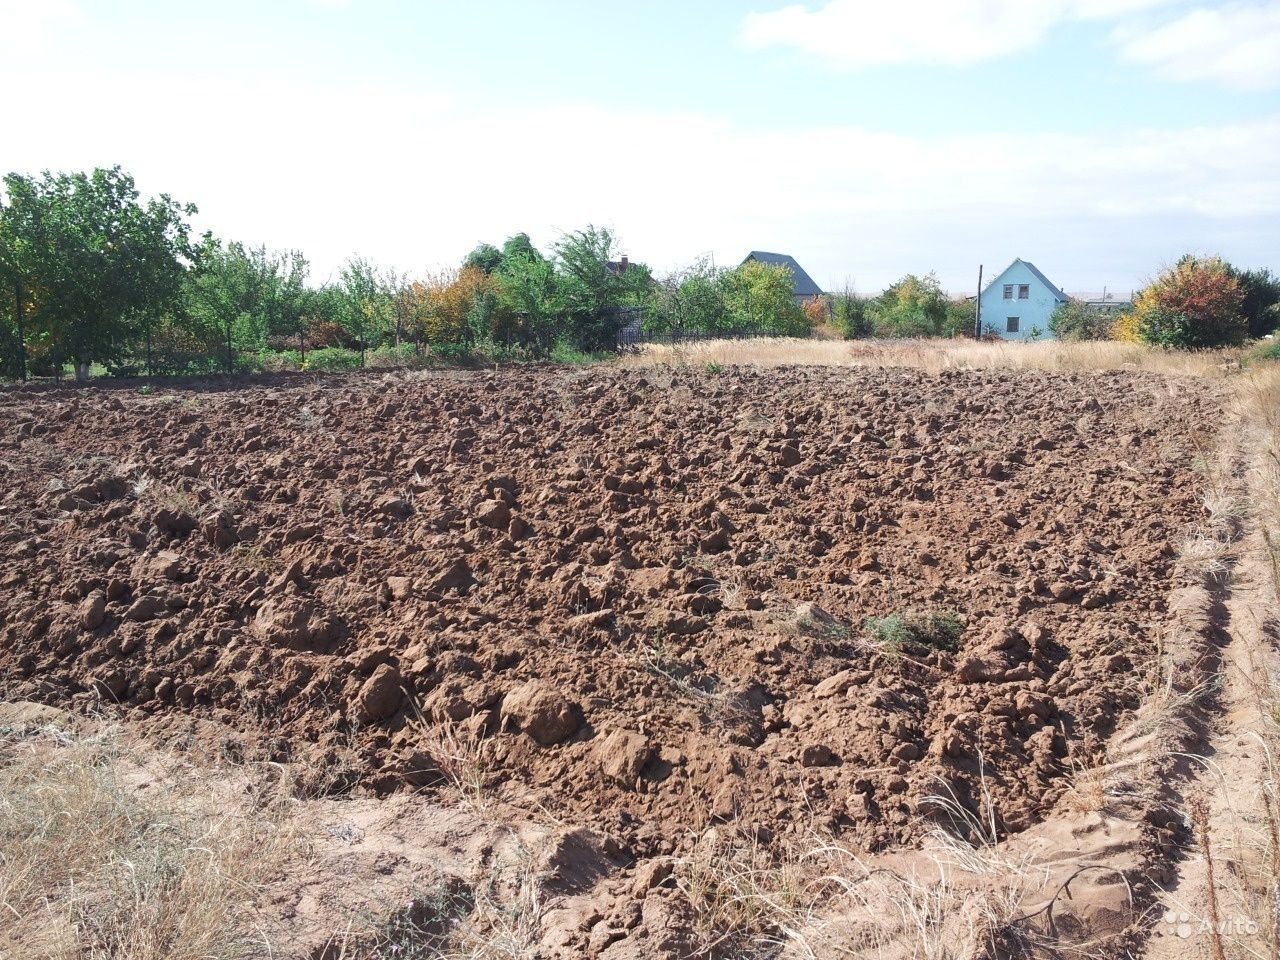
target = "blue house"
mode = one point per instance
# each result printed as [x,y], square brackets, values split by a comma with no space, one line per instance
[1018,303]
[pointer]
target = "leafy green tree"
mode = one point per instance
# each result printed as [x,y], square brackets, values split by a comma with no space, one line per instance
[485,257]
[520,247]
[912,307]
[526,288]
[97,266]
[849,314]
[366,304]
[688,300]
[1261,303]
[589,290]
[246,295]
[760,298]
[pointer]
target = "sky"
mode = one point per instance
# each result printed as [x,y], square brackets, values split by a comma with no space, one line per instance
[1100,139]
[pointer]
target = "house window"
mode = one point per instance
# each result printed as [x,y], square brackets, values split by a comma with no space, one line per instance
[1008,291]
[1024,292]
[1011,325]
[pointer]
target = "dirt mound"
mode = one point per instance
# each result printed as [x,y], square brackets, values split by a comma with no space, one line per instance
[645,602]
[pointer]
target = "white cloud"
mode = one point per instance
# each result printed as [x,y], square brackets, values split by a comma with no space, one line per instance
[1237,44]
[422,178]
[862,33]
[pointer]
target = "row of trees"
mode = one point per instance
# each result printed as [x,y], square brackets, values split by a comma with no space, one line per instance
[1198,302]
[92,274]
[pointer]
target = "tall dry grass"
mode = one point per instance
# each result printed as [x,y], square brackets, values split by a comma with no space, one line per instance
[935,356]
[101,857]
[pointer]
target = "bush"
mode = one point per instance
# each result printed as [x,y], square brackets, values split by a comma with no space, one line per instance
[279,361]
[932,631]
[1265,352]
[332,360]
[817,311]
[849,315]
[1076,320]
[393,357]
[912,307]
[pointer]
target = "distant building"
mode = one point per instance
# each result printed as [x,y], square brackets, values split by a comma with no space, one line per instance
[803,287]
[1105,302]
[1018,303]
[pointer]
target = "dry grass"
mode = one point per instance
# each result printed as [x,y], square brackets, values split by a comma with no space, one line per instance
[935,355]
[499,919]
[818,899]
[102,857]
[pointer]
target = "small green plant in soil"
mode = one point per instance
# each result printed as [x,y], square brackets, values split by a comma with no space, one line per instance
[913,629]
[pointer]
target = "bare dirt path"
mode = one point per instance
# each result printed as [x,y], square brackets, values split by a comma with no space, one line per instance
[1225,904]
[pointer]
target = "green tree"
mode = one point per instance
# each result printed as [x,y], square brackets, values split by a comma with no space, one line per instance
[245,295]
[365,305]
[527,290]
[912,307]
[1261,303]
[760,298]
[849,314]
[484,257]
[96,266]
[688,300]
[589,290]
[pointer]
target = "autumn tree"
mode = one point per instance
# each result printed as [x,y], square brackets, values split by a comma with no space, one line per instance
[1198,302]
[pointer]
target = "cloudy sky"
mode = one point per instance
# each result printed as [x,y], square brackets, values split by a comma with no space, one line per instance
[1098,138]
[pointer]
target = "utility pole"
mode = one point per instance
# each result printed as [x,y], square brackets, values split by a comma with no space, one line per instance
[977,311]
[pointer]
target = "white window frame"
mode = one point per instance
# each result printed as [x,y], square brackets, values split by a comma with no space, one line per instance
[1013,325]
[1024,291]
[1008,291]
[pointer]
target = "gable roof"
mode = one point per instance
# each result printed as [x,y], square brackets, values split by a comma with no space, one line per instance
[802,283]
[1035,272]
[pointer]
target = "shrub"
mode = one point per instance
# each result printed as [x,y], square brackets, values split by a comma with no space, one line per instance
[1267,351]
[817,311]
[1076,320]
[566,353]
[278,361]
[912,307]
[332,360]
[933,631]
[849,315]
[1125,328]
